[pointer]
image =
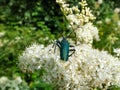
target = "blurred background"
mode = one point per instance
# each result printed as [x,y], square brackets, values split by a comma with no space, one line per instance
[24,22]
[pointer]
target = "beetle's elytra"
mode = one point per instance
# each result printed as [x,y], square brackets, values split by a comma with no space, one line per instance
[65,50]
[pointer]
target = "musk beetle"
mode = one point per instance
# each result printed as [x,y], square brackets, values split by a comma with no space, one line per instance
[65,48]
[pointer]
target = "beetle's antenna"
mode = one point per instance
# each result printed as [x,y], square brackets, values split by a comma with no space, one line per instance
[64,35]
[70,25]
[71,31]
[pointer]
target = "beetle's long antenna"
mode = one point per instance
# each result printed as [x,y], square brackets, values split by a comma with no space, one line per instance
[55,47]
[70,25]
[71,31]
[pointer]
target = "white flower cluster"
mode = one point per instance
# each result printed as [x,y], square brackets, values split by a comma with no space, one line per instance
[74,15]
[100,1]
[117,10]
[87,33]
[15,84]
[33,58]
[80,21]
[117,51]
[2,34]
[87,68]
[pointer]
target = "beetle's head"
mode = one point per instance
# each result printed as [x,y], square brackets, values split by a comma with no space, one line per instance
[64,38]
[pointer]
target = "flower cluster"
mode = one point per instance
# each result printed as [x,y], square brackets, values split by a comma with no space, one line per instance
[15,84]
[80,21]
[74,15]
[33,57]
[117,51]
[2,34]
[87,68]
[87,33]
[117,10]
[100,1]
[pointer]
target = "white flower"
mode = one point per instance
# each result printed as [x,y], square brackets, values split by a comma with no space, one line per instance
[3,80]
[75,16]
[85,69]
[117,10]
[117,51]
[12,84]
[100,1]
[18,80]
[99,22]
[83,3]
[87,33]
[75,8]
[73,19]
[107,20]
[2,34]
[33,57]
[119,23]
[79,21]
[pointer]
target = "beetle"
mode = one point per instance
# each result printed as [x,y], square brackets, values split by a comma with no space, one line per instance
[64,47]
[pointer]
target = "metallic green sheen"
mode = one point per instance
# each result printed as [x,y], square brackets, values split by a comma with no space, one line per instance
[64,49]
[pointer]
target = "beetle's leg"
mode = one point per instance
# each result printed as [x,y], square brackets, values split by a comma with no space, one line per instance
[73,50]
[57,43]
[54,45]
[71,46]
